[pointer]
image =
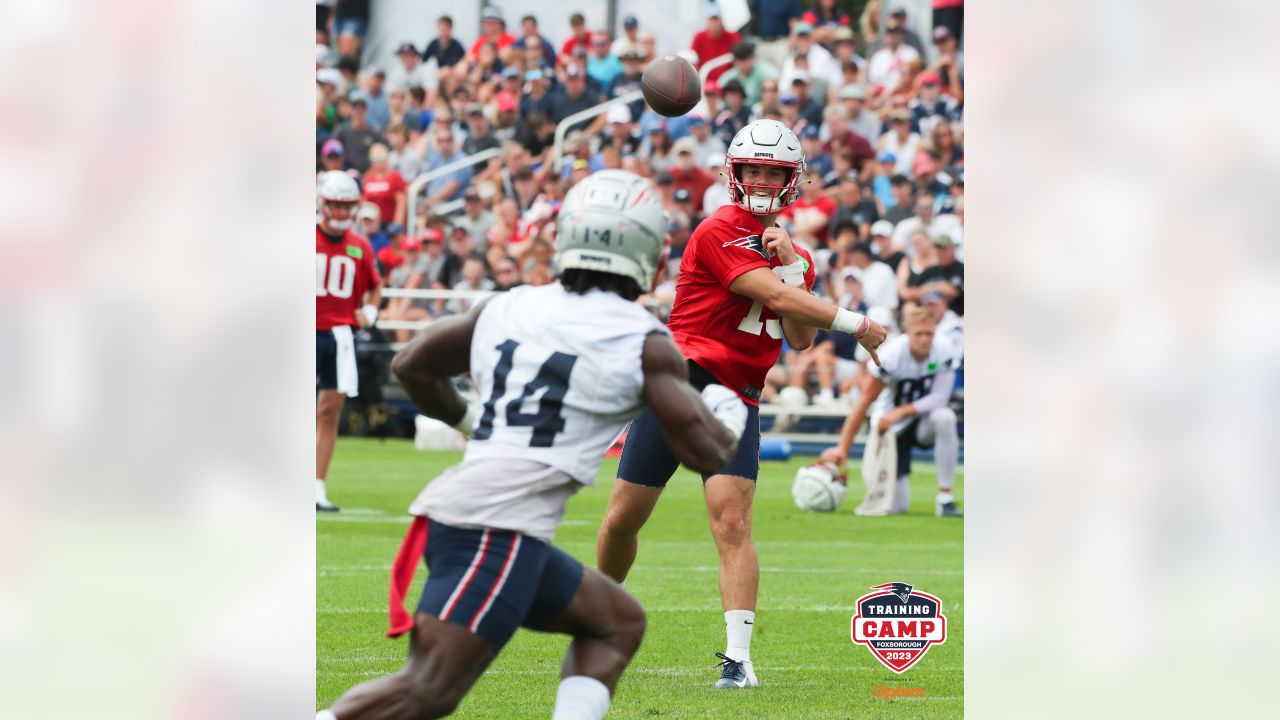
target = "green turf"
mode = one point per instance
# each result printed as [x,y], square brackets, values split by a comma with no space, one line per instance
[813,566]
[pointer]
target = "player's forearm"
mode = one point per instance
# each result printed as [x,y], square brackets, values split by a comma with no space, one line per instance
[799,335]
[799,306]
[435,397]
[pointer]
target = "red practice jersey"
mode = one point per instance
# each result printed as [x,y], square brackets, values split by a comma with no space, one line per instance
[345,271]
[733,337]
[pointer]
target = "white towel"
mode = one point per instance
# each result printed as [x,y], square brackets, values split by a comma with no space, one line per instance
[348,378]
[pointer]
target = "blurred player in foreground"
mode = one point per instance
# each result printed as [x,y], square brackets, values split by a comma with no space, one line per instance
[562,368]
[742,286]
[348,291]
[907,396]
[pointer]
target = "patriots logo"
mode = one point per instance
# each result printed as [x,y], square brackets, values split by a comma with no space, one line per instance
[902,591]
[750,242]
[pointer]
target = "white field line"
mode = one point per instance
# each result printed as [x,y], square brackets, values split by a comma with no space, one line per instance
[708,607]
[352,570]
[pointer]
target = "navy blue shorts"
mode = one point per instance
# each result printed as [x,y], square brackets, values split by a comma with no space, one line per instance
[494,581]
[647,458]
[326,360]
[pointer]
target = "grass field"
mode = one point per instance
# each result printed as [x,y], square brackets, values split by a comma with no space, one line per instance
[813,567]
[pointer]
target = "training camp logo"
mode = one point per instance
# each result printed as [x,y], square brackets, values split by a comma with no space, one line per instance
[898,624]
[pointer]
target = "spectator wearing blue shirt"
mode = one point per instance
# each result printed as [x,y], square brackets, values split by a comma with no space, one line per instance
[773,24]
[444,48]
[530,36]
[445,151]
[539,97]
[601,63]
[375,97]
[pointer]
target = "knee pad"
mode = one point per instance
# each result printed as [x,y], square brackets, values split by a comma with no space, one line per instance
[943,416]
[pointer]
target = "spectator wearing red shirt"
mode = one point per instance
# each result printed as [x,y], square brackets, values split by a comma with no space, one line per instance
[685,171]
[495,31]
[384,187]
[825,19]
[713,42]
[579,38]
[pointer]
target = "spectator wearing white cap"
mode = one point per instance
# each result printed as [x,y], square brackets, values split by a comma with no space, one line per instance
[620,132]
[882,244]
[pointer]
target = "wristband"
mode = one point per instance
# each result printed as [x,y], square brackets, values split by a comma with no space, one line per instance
[467,424]
[848,321]
[370,313]
[792,274]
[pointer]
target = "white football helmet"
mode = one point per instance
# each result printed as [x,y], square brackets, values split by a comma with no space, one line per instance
[612,222]
[819,488]
[764,142]
[339,195]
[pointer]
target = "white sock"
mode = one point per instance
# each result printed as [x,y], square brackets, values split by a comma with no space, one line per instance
[826,395]
[580,698]
[320,496]
[737,626]
[946,447]
[326,715]
[944,496]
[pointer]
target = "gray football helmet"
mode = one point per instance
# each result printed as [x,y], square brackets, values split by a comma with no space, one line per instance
[612,222]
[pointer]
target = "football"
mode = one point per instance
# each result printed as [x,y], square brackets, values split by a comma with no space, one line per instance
[671,86]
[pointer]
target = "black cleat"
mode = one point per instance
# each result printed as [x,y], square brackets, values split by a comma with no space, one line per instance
[326,507]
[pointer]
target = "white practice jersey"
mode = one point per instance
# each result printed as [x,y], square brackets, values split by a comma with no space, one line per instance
[560,376]
[907,380]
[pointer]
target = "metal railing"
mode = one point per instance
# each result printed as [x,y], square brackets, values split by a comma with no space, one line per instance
[421,181]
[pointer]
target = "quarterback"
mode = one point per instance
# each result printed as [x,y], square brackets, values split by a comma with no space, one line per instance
[743,286]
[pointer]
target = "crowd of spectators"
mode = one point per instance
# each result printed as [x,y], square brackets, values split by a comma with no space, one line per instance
[882,208]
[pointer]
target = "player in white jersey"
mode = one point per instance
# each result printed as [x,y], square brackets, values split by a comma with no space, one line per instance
[561,369]
[910,391]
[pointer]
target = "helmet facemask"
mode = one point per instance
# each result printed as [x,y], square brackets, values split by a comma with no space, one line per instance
[337,215]
[779,197]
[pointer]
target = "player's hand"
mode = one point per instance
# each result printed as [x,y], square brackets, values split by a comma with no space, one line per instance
[778,243]
[889,419]
[873,338]
[833,456]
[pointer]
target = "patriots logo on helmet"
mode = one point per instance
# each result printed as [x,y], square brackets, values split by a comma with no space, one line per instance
[902,591]
[750,242]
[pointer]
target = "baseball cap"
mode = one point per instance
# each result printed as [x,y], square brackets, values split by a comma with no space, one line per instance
[711,88]
[789,99]
[411,243]
[942,32]
[510,72]
[619,113]
[713,11]
[665,178]
[804,28]
[899,114]
[683,195]
[368,211]
[733,86]
[358,98]
[581,164]
[506,100]
[716,160]
[684,145]
[865,248]
[843,34]
[535,74]
[944,240]
[929,77]
[630,21]
[882,227]
[933,296]
[322,54]
[433,235]
[886,156]
[800,76]
[809,131]
[331,147]
[852,271]
[407,47]
[329,76]
[853,91]
[492,12]
[697,119]
[475,109]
